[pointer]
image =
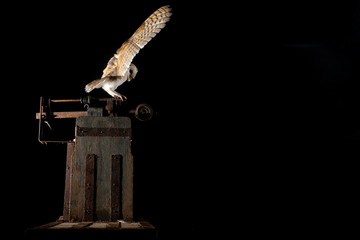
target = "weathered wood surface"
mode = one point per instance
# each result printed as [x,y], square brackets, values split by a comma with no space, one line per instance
[93,230]
[100,225]
[115,192]
[89,207]
[73,114]
[104,148]
[69,158]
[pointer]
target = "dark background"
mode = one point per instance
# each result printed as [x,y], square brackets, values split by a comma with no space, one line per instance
[256,126]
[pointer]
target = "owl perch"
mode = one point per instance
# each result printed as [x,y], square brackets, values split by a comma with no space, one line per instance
[119,68]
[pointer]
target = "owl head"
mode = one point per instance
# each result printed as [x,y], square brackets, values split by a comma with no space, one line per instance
[133,71]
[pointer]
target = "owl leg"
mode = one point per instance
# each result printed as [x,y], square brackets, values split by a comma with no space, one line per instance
[115,94]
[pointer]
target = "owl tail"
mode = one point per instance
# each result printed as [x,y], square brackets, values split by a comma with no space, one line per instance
[94,84]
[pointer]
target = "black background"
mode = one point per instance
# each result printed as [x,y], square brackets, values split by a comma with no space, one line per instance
[256,126]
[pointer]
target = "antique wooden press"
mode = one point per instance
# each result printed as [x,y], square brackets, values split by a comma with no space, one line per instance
[99,164]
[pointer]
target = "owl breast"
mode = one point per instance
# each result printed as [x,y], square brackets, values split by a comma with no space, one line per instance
[114,83]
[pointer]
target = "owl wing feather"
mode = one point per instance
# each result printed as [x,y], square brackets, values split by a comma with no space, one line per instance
[128,50]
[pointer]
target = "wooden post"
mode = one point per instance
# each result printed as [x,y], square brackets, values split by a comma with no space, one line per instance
[116,176]
[89,195]
[69,157]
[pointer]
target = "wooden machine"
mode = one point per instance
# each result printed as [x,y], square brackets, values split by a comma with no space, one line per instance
[99,164]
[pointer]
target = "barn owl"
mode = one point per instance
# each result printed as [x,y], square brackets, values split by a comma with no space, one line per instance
[119,68]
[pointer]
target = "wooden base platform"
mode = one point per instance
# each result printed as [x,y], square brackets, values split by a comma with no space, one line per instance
[93,230]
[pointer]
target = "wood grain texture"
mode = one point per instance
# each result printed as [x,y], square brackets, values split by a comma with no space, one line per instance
[90,174]
[69,159]
[116,172]
[104,147]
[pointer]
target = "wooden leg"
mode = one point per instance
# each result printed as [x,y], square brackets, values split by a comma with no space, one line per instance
[69,158]
[89,188]
[116,175]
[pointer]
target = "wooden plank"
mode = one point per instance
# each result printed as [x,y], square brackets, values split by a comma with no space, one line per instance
[98,225]
[147,225]
[113,226]
[73,114]
[82,225]
[89,188]
[127,184]
[116,174]
[69,157]
[102,132]
[131,225]
[65,225]
[46,226]
[118,225]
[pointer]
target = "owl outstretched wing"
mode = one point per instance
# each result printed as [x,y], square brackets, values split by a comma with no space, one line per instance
[118,65]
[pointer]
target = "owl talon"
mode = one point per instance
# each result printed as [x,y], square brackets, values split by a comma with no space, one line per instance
[121,98]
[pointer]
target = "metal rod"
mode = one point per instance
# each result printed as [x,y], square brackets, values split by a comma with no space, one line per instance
[79,100]
[40,114]
[64,100]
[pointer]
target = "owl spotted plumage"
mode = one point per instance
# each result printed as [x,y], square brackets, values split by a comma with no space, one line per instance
[119,68]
